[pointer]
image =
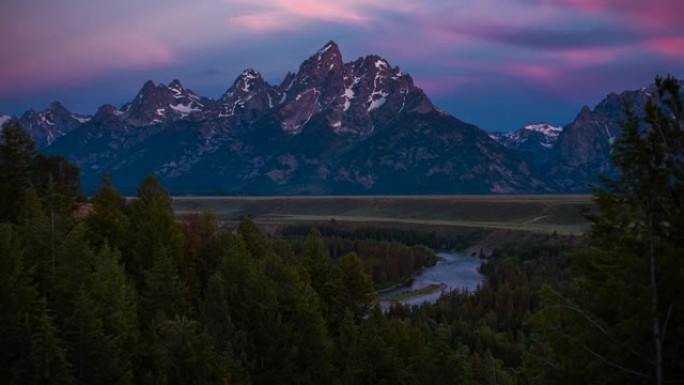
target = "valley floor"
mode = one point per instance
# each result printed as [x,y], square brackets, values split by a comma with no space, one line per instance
[534,213]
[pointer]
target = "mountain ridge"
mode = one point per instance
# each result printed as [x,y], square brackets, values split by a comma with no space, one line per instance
[360,127]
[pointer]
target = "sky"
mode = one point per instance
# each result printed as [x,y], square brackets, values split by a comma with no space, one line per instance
[498,64]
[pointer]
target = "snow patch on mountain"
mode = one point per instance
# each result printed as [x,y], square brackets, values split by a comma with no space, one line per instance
[539,135]
[247,77]
[348,96]
[81,118]
[183,109]
[544,128]
[377,100]
[381,64]
[4,119]
[323,50]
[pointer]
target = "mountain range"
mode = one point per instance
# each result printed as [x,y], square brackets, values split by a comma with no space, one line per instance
[360,127]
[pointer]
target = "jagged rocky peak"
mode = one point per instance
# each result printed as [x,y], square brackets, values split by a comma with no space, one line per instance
[321,66]
[382,90]
[375,79]
[356,97]
[156,104]
[186,102]
[249,97]
[177,87]
[180,92]
[51,123]
[149,106]
[107,109]
[249,82]
[108,112]
[288,81]
[584,111]
[327,58]
[318,83]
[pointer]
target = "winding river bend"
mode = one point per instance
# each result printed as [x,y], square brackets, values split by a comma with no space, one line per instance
[452,271]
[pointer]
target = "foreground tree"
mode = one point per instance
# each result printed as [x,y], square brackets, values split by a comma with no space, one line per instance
[622,318]
[153,231]
[317,259]
[17,160]
[18,296]
[107,223]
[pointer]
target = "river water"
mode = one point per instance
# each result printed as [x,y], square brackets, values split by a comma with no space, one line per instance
[452,270]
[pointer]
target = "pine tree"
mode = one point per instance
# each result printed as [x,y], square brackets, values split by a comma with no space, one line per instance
[116,304]
[59,179]
[162,290]
[17,165]
[47,362]
[18,297]
[317,259]
[153,231]
[108,222]
[349,289]
[184,355]
[90,349]
[255,239]
[621,319]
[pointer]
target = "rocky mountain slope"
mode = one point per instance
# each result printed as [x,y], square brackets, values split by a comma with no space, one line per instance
[582,152]
[360,127]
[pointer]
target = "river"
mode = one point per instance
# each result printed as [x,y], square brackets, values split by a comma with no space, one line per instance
[452,271]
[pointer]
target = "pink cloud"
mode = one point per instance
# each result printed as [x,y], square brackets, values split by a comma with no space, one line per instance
[332,11]
[67,61]
[588,56]
[261,23]
[538,73]
[668,46]
[276,15]
[652,11]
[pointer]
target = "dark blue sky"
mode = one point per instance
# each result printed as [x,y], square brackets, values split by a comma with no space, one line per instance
[495,63]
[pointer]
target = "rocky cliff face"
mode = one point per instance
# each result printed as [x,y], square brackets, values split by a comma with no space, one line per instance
[51,123]
[583,149]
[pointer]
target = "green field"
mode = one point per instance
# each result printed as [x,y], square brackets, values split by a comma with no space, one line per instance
[535,213]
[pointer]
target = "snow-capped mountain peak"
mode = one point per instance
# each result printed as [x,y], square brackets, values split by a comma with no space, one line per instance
[330,45]
[544,128]
[532,135]
[156,104]
[51,123]
[4,119]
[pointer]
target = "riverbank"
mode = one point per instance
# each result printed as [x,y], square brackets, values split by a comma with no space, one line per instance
[414,293]
[453,271]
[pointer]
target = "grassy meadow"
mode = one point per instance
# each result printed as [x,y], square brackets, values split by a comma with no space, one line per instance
[534,213]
